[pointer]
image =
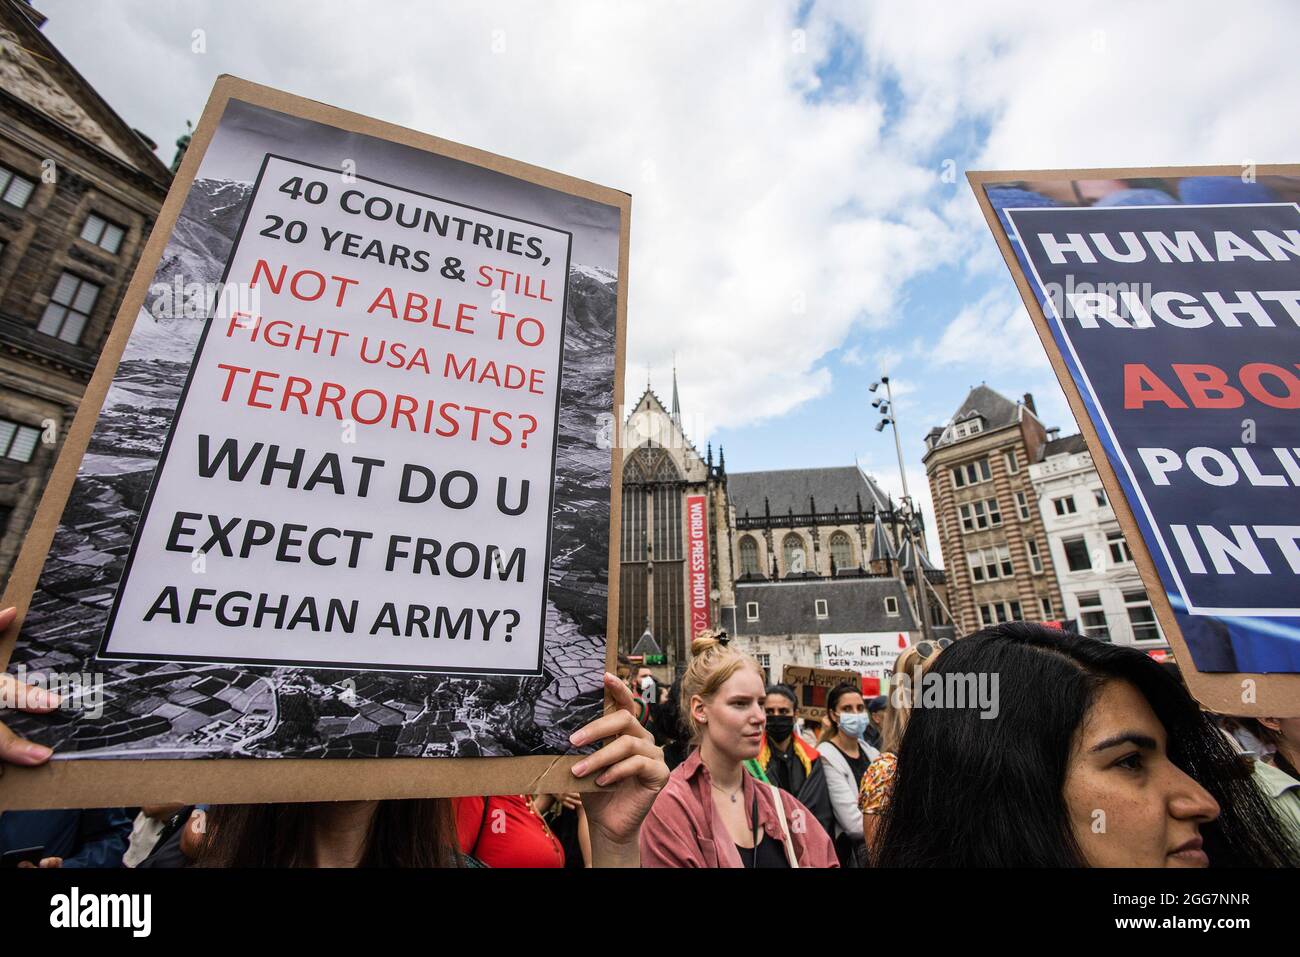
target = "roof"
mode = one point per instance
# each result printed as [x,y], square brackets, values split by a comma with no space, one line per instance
[1068,445]
[52,87]
[793,490]
[907,562]
[852,605]
[882,549]
[996,410]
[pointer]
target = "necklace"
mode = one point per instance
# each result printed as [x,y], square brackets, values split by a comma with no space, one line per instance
[737,792]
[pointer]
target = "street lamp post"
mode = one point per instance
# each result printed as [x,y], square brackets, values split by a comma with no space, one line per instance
[890,417]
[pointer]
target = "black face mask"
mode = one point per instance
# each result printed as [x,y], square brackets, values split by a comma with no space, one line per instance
[780,726]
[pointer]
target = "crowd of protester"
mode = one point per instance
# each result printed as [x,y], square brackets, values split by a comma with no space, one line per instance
[1097,756]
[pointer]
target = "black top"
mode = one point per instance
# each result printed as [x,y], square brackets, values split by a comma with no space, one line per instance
[784,769]
[857,765]
[769,853]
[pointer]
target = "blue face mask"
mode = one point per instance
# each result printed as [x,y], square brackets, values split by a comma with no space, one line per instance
[854,725]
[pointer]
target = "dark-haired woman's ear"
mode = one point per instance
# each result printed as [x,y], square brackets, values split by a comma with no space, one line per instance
[630,771]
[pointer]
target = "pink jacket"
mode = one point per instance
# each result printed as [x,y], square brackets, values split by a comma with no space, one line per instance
[681,829]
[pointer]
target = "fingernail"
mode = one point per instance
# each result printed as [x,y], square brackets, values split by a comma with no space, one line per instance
[579,769]
[38,752]
[577,739]
[600,781]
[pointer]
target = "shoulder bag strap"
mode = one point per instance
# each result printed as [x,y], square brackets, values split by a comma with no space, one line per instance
[786,839]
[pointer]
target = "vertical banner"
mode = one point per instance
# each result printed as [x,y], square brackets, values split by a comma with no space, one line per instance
[697,557]
[1169,303]
[338,489]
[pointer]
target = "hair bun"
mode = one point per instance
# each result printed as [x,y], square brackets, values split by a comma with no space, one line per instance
[704,642]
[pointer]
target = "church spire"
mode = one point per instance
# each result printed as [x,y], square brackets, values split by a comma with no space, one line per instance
[677,405]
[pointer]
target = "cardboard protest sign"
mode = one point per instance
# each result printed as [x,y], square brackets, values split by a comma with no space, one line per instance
[1169,303]
[812,685]
[338,489]
[870,654]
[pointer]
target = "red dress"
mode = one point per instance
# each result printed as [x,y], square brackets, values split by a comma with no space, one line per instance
[509,834]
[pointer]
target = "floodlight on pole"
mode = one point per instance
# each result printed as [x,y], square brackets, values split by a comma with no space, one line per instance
[918,569]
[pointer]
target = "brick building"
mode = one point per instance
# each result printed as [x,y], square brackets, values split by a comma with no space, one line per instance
[998,563]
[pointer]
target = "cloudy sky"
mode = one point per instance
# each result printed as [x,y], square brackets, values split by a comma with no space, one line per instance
[793,231]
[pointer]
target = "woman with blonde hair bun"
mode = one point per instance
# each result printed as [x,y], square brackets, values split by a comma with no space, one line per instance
[712,813]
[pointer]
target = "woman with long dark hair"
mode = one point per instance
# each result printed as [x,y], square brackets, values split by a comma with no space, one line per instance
[1094,757]
[422,833]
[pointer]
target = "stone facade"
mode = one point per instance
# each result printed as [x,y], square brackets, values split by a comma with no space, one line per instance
[1100,584]
[803,528]
[81,191]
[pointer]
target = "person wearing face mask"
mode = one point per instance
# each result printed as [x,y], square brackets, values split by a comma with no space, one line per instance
[788,761]
[712,813]
[847,757]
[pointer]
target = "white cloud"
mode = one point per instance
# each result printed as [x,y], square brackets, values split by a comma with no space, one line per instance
[994,333]
[748,198]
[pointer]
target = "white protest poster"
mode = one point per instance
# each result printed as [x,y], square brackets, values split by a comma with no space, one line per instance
[869,653]
[345,489]
[373,432]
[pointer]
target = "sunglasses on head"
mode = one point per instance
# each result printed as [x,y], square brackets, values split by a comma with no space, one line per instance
[927,648]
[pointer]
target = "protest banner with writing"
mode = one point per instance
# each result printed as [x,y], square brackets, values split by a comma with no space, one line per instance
[341,486]
[1169,304]
[871,654]
[812,685]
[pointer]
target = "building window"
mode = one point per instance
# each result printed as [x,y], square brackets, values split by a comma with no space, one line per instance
[1141,617]
[1065,505]
[69,308]
[972,473]
[667,523]
[633,614]
[748,556]
[1000,612]
[670,623]
[1119,553]
[751,611]
[633,530]
[976,516]
[1100,496]
[891,606]
[1035,559]
[14,189]
[1045,606]
[1022,506]
[987,564]
[820,608]
[841,551]
[103,233]
[1013,463]
[1076,554]
[18,442]
[793,554]
[1092,620]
